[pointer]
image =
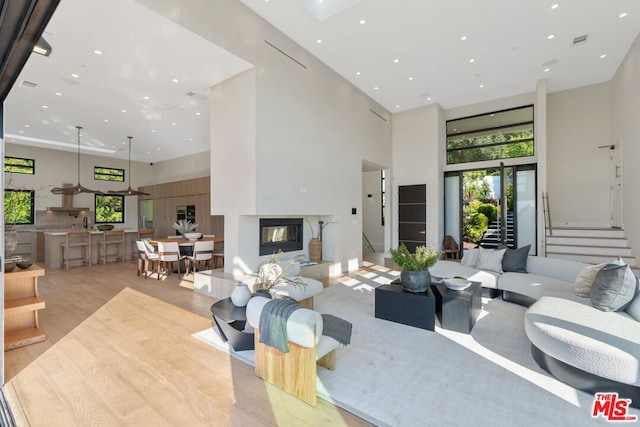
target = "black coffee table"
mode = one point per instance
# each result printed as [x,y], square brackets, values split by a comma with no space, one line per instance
[458,310]
[230,321]
[393,303]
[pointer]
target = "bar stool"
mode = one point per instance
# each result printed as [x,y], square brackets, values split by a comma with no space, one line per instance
[76,239]
[143,233]
[111,238]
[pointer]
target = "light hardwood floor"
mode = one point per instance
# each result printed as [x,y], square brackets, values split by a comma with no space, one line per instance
[119,351]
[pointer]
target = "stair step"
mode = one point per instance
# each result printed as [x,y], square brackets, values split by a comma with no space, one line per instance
[585,232]
[591,258]
[589,250]
[617,242]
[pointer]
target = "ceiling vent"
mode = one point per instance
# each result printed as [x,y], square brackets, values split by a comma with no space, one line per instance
[580,40]
[30,85]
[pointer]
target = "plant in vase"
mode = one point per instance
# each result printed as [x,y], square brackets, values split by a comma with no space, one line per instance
[272,272]
[315,243]
[415,276]
[184,226]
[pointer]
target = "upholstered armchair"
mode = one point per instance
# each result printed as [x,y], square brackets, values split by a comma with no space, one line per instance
[295,371]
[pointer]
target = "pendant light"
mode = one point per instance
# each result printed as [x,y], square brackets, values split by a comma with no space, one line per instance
[129,191]
[78,188]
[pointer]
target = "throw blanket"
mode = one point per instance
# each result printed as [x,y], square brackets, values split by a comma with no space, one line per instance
[273,323]
[336,328]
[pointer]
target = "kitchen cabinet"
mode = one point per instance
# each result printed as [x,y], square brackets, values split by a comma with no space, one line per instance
[21,304]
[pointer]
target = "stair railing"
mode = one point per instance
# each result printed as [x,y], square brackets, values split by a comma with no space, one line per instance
[368,242]
[547,212]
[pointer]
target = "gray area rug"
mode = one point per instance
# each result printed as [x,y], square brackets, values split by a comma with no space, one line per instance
[398,375]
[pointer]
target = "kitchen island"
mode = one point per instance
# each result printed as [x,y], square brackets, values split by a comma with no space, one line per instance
[54,238]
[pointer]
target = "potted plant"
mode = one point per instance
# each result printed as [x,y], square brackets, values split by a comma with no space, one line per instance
[184,226]
[415,276]
[272,272]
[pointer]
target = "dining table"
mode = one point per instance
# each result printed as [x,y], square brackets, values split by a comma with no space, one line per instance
[186,245]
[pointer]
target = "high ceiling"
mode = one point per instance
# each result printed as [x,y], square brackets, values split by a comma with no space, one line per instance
[509,42]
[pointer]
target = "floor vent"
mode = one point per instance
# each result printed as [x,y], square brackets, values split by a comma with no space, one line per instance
[381,117]
[286,54]
[30,85]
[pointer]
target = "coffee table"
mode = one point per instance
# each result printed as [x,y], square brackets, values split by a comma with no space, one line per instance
[393,303]
[458,310]
[230,321]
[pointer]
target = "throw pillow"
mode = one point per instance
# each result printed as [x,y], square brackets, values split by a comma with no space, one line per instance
[515,260]
[469,257]
[490,259]
[585,279]
[610,292]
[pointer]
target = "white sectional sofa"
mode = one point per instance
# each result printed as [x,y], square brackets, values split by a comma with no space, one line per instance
[583,346]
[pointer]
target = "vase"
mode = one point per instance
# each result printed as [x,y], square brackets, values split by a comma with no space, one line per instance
[10,241]
[240,295]
[315,250]
[415,281]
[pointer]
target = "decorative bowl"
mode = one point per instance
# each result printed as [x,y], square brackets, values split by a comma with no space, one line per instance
[9,266]
[456,284]
[24,264]
[105,227]
[192,236]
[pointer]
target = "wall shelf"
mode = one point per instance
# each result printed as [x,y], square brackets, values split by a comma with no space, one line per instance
[21,305]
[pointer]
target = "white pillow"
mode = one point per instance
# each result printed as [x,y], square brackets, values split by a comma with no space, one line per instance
[585,279]
[490,259]
[470,257]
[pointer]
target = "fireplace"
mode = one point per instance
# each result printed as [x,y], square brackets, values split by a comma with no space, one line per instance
[280,234]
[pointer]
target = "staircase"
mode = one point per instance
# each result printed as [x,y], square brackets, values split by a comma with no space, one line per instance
[589,245]
[491,237]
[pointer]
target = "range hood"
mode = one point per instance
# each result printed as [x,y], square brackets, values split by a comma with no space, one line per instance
[67,204]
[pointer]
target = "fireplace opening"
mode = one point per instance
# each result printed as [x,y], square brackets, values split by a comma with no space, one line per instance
[280,234]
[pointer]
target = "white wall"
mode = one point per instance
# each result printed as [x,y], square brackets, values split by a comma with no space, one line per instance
[625,93]
[371,210]
[418,158]
[179,169]
[312,131]
[579,121]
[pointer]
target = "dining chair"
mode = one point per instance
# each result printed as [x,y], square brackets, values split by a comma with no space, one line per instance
[76,239]
[143,233]
[168,253]
[202,251]
[146,259]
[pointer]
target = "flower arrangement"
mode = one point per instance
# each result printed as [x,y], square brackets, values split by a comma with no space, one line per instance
[321,226]
[184,226]
[423,258]
[271,272]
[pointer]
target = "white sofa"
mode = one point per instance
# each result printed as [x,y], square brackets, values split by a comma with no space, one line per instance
[585,347]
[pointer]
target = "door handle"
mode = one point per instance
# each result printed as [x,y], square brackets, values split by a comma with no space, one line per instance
[423,232]
[617,171]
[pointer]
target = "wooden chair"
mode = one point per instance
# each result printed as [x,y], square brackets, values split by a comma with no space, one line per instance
[450,247]
[115,239]
[168,253]
[218,255]
[146,259]
[143,233]
[202,251]
[76,239]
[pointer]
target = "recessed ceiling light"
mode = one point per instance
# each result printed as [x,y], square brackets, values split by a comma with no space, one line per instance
[481,86]
[604,55]
[410,78]
[397,106]
[153,131]
[376,88]
[124,111]
[362,22]
[472,60]
[123,142]
[173,123]
[58,93]
[97,52]
[44,106]
[148,152]
[75,76]
[554,6]
[463,38]
[546,70]
[197,114]
[428,98]
[106,120]
[318,41]
[550,36]
[145,98]
[159,149]
[622,15]
[175,80]
[396,60]
[114,147]
[357,73]
[27,126]
[20,131]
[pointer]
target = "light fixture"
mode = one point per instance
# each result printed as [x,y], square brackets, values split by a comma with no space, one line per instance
[129,191]
[42,47]
[78,188]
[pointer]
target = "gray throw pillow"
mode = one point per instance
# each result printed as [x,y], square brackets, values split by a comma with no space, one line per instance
[610,292]
[515,260]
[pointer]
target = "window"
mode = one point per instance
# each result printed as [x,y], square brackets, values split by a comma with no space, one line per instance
[108,174]
[109,208]
[19,165]
[500,135]
[383,201]
[19,206]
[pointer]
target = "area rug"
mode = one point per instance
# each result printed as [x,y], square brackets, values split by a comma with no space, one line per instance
[398,375]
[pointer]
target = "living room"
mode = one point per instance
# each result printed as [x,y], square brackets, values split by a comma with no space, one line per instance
[290,107]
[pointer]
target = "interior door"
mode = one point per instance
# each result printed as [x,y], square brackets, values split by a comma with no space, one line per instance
[412,215]
[616,184]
